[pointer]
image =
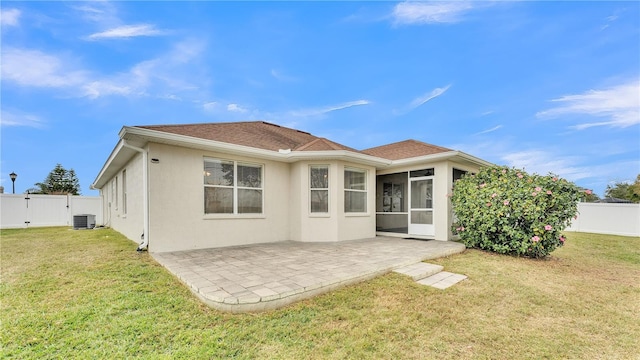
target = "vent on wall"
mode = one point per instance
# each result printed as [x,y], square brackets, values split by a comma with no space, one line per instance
[85,221]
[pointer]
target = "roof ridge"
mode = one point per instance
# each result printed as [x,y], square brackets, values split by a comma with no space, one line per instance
[337,146]
[405,149]
[330,143]
[225,123]
[307,145]
[197,123]
[405,141]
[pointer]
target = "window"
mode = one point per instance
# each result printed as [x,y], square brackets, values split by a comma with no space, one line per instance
[393,198]
[232,188]
[319,185]
[124,192]
[458,174]
[355,190]
[421,173]
[115,193]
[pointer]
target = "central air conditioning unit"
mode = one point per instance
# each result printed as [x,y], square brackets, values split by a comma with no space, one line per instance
[84,221]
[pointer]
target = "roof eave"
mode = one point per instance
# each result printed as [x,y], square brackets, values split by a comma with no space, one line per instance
[148,135]
[118,158]
[141,136]
[345,155]
[98,181]
[443,156]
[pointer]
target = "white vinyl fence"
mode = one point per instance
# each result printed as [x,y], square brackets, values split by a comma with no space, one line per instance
[605,218]
[30,210]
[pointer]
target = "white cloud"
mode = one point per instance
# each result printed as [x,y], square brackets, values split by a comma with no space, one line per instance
[100,88]
[489,130]
[435,12]
[9,17]
[428,96]
[544,162]
[421,100]
[103,13]
[328,109]
[531,159]
[611,19]
[127,31]
[35,68]
[10,118]
[170,73]
[344,106]
[210,106]
[592,168]
[236,108]
[170,97]
[576,169]
[618,106]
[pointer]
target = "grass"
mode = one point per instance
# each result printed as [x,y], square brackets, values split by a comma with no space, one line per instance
[88,294]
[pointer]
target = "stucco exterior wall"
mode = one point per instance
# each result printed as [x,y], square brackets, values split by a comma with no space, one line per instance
[441,201]
[353,226]
[177,218]
[129,223]
[308,226]
[335,225]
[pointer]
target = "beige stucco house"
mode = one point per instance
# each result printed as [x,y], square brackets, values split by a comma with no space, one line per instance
[222,184]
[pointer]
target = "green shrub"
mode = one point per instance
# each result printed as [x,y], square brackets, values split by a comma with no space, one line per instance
[508,211]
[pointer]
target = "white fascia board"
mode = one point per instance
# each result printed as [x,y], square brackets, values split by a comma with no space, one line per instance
[449,155]
[345,155]
[475,160]
[97,182]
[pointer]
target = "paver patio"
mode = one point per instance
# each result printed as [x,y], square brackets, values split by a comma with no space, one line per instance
[268,276]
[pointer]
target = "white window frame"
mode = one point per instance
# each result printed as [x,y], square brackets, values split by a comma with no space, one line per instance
[124,192]
[115,184]
[235,187]
[365,190]
[312,189]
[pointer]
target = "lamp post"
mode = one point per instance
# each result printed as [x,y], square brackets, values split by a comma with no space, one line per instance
[13,177]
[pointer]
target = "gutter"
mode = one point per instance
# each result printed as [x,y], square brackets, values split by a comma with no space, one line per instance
[145,194]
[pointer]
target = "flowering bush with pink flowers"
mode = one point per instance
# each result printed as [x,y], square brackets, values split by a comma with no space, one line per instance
[508,211]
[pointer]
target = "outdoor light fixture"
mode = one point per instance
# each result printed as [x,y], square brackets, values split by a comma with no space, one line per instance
[13,177]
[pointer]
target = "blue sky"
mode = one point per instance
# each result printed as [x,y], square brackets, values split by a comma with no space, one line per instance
[544,86]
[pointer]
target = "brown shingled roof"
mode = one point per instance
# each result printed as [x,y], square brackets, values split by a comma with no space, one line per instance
[322,144]
[267,136]
[404,150]
[257,134]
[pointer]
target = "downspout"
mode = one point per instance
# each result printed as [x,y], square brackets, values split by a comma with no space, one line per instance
[145,195]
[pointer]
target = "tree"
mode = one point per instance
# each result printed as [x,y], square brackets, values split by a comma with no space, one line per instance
[508,211]
[59,181]
[635,188]
[623,190]
[587,195]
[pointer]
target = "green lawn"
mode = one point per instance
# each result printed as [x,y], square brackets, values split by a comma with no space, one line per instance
[88,294]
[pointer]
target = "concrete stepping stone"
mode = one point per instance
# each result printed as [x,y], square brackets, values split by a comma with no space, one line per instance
[419,270]
[442,280]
